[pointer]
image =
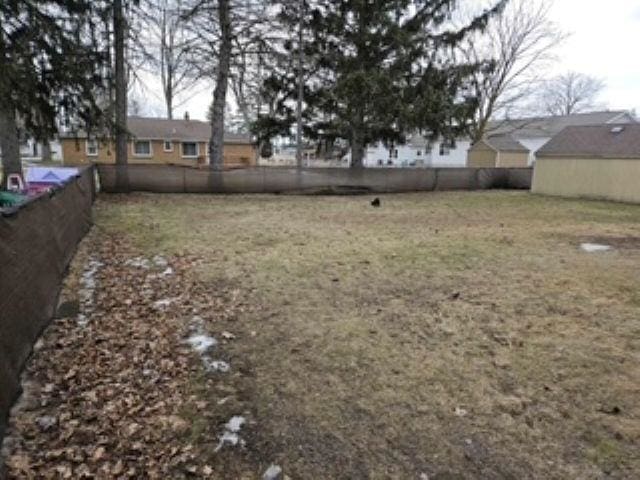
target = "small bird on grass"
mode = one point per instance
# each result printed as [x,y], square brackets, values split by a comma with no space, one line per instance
[375,202]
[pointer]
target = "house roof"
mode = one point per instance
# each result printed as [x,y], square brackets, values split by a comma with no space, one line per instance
[165,129]
[536,127]
[505,143]
[595,141]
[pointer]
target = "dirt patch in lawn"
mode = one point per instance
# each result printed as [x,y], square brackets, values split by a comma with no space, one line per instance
[443,335]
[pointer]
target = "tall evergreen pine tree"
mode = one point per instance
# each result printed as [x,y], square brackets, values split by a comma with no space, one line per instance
[376,71]
[50,59]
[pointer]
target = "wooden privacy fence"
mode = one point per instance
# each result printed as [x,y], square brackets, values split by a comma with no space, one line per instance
[37,242]
[180,179]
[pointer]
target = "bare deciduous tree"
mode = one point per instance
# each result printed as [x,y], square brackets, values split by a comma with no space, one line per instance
[515,47]
[167,46]
[570,93]
[246,79]
[230,37]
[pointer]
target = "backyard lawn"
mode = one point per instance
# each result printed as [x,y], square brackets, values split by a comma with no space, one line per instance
[440,336]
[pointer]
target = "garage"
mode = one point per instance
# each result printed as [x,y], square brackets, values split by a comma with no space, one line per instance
[600,162]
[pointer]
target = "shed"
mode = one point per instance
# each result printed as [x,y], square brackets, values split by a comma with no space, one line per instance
[498,151]
[601,161]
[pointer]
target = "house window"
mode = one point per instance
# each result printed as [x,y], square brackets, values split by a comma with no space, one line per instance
[189,149]
[419,153]
[92,147]
[142,148]
[393,153]
[168,146]
[446,146]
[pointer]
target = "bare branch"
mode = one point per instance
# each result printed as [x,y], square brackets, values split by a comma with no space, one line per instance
[516,46]
[570,93]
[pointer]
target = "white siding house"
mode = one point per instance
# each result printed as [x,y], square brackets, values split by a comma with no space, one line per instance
[417,152]
[31,151]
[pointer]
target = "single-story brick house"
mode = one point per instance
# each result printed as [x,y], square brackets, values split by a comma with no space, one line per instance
[159,140]
[498,151]
[600,161]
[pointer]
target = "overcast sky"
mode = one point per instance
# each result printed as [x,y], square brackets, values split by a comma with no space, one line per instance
[603,42]
[605,35]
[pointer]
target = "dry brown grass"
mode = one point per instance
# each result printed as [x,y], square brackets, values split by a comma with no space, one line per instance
[460,335]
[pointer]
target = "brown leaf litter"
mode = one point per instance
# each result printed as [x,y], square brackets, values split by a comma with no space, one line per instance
[113,390]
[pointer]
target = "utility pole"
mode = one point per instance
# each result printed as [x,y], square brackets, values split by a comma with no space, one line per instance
[300,87]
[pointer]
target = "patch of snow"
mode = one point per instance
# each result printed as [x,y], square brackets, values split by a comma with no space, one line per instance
[594,247]
[82,320]
[228,335]
[272,473]
[87,290]
[138,262]
[460,412]
[235,423]
[160,261]
[216,365]
[230,435]
[168,271]
[201,343]
[229,438]
[46,422]
[163,303]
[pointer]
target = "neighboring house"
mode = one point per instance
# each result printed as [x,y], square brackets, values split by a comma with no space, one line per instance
[31,151]
[591,161]
[533,133]
[498,151]
[285,155]
[418,151]
[530,133]
[158,140]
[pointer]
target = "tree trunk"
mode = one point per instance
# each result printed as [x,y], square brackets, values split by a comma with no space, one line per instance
[299,147]
[479,132]
[46,151]
[216,144]
[357,149]
[9,143]
[119,28]
[169,99]
[166,64]
[241,99]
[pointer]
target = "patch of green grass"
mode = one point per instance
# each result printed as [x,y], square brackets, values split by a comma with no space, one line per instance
[199,426]
[607,454]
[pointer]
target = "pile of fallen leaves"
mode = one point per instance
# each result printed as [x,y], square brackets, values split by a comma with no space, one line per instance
[114,390]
